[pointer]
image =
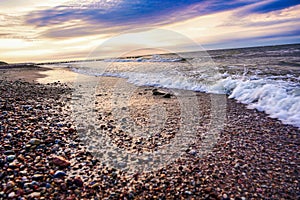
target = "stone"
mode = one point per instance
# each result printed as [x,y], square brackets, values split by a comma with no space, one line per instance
[10,158]
[167,96]
[35,195]
[48,185]
[34,141]
[9,152]
[236,165]
[2,162]
[71,130]
[11,184]
[38,177]
[207,189]
[11,195]
[60,161]
[95,185]
[193,152]
[225,197]
[157,92]
[59,174]
[21,157]
[78,181]
[13,165]
[188,192]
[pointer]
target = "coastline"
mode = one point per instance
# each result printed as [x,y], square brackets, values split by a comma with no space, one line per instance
[255,157]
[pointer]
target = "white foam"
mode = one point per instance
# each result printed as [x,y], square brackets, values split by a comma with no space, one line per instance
[276,98]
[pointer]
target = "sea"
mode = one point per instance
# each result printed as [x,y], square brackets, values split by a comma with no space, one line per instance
[264,78]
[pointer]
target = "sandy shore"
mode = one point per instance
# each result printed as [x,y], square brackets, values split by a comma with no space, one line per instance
[22,73]
[39,74]
[43,156]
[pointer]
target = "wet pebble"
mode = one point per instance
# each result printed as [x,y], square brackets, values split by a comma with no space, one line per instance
[35,141]
[10,158]
[11,195]
[59,174]
[60,161]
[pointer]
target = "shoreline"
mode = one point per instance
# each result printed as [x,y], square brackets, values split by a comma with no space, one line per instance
[41,74]
[255,157]
[25,73]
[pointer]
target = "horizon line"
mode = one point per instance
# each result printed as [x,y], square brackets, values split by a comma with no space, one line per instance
[136,56]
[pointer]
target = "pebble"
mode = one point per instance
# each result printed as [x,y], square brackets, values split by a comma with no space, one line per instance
[158,92]
[193,152]
[12,195]
[10,158]
[188,192]
[246,163]
[95,185]
[35,141]
[78,181]
[59,174]
[167,96]
[35,195]
[38,176]
[60,161]
[225,197]
[9,152]
[10,184]
[2,162]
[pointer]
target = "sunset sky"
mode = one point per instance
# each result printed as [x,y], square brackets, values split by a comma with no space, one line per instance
[49,30]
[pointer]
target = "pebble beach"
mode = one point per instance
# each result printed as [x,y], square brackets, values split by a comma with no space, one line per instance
[42,156]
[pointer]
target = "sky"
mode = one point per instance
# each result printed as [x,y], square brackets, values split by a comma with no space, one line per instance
[55,30]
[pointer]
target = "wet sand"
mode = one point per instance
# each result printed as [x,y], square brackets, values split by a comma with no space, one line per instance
[40,74]
[25,74]
[44,155]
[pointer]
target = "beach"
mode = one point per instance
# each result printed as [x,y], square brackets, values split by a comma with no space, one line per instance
[43,155]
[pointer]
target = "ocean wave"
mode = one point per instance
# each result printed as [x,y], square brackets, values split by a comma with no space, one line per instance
[279,98]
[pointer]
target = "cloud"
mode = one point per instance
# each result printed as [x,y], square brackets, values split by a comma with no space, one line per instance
[102,17]
[230,29]
[272,5]
[11,26]
[123,13]
[72,27]
[239,18]
[273,39]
